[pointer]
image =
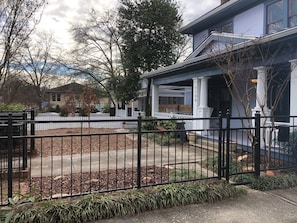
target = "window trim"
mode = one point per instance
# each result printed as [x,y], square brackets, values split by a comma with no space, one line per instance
[290,16]
[286,15]
[219,26]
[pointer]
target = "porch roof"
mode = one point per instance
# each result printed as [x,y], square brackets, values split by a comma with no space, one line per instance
[203,65]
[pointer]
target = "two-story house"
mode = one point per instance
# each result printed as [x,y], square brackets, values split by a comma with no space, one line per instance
[244,59]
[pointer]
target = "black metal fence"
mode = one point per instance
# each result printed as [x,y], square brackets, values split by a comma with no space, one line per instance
[80,159]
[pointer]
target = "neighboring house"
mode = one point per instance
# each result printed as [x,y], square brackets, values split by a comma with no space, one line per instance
[58,96]
[268,28]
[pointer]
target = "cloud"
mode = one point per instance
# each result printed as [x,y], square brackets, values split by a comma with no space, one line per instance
[192,9]
[60,15]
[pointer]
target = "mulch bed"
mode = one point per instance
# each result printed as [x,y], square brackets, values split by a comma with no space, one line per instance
[82,183]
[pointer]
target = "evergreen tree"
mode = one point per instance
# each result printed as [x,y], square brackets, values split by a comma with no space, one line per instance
[149,32]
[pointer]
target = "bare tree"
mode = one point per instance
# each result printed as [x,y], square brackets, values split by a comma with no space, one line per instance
[238,69]
[37,64]
[17,22]
[70,104]
[88,99]
[98,54]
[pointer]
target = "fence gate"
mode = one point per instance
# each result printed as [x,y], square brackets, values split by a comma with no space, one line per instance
[235,161]
[13,152]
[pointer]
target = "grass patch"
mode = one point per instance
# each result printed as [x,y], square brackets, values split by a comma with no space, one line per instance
[164,139]
[180,175]
[212,164]
[97,206]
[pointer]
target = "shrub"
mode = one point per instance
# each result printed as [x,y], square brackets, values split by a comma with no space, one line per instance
[50,109]
[96,206]
[168,124]
[82,112]
[64,112]
[12,107]
[106,108]
[265,183]
[57,109]
[149,123]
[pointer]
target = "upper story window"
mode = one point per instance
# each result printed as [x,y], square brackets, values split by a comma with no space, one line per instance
[56,97]
[275,17]
[292,13]
[226,27]
[53,96]
[280,14]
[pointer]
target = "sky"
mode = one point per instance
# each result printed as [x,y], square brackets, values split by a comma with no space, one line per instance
[59,15]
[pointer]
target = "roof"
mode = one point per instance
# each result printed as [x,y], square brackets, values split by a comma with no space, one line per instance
[199,65]
[72,87]
[226,38]
[219,14]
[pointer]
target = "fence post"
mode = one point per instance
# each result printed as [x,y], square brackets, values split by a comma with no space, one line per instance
[256,142]
[9,153]
[32,131]
[139,151]
[220,146]
[25,146]
[228,147]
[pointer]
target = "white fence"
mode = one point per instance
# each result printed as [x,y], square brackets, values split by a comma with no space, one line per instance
[54,121]
[188,123]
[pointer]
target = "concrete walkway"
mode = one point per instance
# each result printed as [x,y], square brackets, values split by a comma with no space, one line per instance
[95,161]
[278,206]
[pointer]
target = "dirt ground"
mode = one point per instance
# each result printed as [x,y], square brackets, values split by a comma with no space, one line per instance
[69,141]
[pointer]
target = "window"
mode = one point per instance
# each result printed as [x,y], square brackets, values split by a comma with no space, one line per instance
[275,17]
[58,97]
[292,13]
[53,97]
[280,15]
[226,27]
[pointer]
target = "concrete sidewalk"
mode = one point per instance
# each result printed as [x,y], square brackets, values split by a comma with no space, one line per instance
[279,206]
[87,162]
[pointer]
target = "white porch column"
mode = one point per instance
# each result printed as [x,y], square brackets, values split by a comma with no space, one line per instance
[204,93]
[126,110]
[196,100]
[155,99]
[132,108]
[196,96]
[261,99]
[203,110]
[293,87]
[261,95]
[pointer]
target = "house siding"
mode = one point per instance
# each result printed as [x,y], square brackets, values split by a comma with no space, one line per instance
[250,22]
[253,26]
[199,38]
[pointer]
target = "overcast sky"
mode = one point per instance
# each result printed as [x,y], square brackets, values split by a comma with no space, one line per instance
[60,14]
